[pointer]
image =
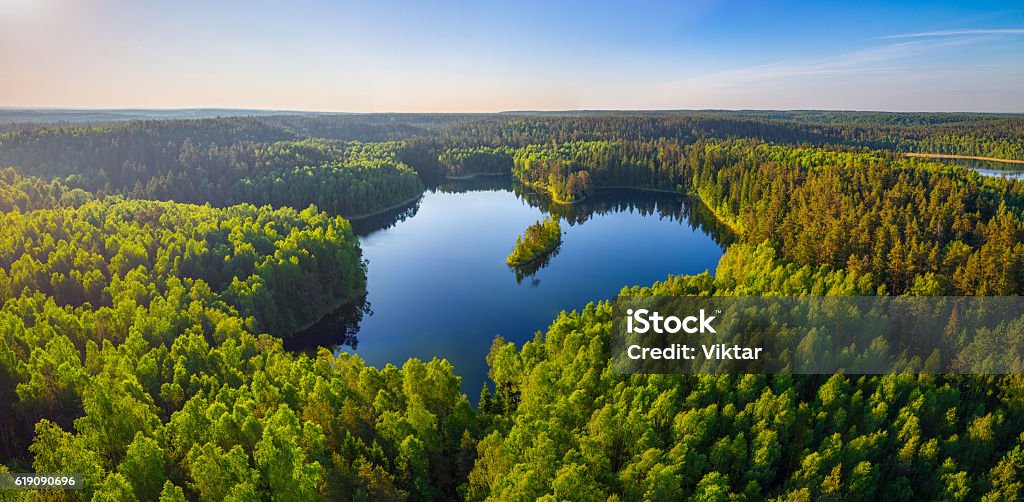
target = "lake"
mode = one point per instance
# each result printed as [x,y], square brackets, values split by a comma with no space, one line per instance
[438,285]
[992,168]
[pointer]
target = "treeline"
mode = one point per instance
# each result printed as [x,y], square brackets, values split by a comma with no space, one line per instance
[82,149]
[134,152]
[561,170]
[1000,136]
[351,189]
[568,427]
[1000,148]
[462,162]
[130,353]
[368,177]
[224,165]
[874,118]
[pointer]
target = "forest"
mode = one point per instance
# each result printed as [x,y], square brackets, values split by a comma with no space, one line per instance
[464,162]
[346,178]
[148,342]
[150,271]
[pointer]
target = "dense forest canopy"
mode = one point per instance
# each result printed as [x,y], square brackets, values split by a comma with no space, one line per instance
[150,269]
[463,162]
[136,325]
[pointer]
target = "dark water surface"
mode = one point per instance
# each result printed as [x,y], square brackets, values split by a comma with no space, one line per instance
[438,285]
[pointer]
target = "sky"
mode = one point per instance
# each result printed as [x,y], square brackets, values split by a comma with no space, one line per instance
[484,56]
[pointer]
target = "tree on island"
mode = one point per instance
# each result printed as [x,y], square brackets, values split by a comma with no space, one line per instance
[540,239]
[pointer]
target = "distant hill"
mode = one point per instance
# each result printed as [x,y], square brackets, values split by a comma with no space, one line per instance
[50,115]
[802,116]
[22,117]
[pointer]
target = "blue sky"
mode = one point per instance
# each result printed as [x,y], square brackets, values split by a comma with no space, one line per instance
[491,56]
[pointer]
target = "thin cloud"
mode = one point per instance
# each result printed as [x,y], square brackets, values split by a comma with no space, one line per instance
[953,33]
[889,58]
[900,72]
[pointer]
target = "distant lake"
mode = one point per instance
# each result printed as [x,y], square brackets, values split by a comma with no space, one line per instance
[992,168]
[438,285]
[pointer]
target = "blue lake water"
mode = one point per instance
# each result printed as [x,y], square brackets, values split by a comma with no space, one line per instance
[1011,170]
[438,285]
[1016,175]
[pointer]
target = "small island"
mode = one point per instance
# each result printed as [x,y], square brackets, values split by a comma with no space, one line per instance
[540,239]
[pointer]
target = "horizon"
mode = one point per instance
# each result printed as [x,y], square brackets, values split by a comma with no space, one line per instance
[488,112]
[460,57]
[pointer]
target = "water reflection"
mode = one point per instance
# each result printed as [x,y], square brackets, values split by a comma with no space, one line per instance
[386,219]
[480,183]
[665,205]
[338,328]
[529,269]
[674,207]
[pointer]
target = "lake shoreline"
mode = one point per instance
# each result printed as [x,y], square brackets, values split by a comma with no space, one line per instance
[732,228]
[721,219]
[618,187]
[475,175]
[642,189]
[386,209]
[718,217]
[543,254]
[543,189]
[965,157]
[335,306]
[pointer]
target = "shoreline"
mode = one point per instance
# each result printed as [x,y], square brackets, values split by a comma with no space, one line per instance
[692,196]
[606,187]
[642,189]
[541,189]
[721,219]
[718,217]
[386,209]
[539,257]
[360,293]
[566,203]
[475,175]
[965,157]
